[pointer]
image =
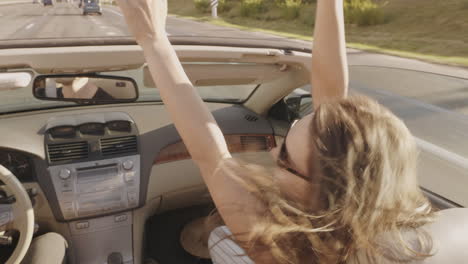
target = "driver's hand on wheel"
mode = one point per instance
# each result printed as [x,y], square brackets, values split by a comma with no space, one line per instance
[146,19]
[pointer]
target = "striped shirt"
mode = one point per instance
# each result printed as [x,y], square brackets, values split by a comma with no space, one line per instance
[224,250]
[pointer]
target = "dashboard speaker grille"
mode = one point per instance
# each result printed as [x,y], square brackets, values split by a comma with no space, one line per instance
[67,152]
[119,145]
[251,118]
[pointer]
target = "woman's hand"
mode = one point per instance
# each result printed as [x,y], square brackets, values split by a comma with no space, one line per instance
[146,19]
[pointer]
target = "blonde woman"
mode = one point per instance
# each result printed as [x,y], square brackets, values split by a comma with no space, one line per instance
[350,195]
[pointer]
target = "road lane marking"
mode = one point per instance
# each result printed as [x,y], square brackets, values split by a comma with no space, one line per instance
[29,26]
[95,21]
[115,12]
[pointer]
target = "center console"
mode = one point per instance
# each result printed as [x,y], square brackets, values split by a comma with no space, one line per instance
[94,168]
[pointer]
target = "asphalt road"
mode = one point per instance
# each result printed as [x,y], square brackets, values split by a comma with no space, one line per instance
[435,107]
[30,21]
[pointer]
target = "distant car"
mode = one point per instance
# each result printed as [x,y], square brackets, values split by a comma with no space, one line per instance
[47,2]
[91,7]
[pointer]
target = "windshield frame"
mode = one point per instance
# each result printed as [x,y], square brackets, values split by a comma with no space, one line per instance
[286,46]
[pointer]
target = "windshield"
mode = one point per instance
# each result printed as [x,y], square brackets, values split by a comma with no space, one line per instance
[28,22]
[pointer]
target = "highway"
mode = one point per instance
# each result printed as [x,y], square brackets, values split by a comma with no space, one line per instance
[31,21]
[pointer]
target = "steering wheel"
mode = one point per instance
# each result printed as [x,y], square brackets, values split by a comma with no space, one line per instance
[23,213]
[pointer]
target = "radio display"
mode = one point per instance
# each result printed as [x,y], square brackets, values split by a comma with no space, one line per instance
[99,171]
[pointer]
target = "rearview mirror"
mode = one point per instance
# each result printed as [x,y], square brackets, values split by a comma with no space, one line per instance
[93,89]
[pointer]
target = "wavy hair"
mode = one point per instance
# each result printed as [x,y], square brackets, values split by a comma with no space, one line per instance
[365,161]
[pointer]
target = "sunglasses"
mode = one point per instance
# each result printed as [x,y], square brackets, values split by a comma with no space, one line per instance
[284,161]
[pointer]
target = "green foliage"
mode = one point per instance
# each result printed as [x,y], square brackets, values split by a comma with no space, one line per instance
[464,4]
[357,12]
[203,6]
[307,15]
[252,8]
[363,13]
[291,9]
[225,6]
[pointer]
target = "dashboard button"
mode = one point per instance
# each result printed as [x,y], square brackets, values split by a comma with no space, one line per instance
[128,165]
[65,174]
[129,176]
[82,225]
[66,186]
[67,197]
[120,218]
[132,198]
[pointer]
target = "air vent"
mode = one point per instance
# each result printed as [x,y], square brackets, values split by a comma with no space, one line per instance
[67,152]
[254,143]
[119,145]
[251,118]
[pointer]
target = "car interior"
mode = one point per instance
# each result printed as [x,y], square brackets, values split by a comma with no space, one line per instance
[115,178]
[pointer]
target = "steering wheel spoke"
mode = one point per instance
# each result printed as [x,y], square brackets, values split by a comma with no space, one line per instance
[6,217]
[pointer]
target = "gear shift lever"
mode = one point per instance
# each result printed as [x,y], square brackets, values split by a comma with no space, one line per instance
[115,258]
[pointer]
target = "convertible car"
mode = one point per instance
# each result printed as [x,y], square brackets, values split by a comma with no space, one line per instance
[112,175]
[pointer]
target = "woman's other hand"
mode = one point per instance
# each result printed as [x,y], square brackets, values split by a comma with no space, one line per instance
[146,19]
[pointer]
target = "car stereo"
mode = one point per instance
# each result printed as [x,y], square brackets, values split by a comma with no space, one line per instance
[94,188]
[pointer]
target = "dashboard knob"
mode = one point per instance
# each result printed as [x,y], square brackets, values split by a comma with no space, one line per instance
[128,165]
[65,174]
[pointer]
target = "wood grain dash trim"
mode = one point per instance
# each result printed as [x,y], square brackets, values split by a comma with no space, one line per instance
[240,143]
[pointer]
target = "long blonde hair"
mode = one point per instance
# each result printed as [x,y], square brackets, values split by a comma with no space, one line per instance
[365,162]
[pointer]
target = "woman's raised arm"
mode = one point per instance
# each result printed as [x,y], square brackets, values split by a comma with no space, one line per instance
[193,120]
[330,75]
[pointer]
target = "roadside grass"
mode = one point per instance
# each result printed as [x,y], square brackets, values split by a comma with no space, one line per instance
[430,30]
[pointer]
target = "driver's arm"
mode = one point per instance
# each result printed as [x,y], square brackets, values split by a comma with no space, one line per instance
[329,76]
[192,118]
